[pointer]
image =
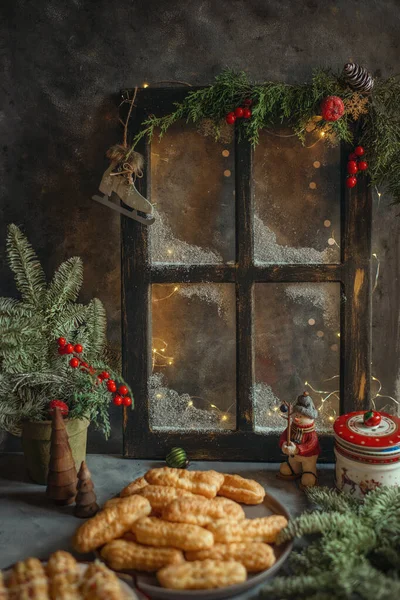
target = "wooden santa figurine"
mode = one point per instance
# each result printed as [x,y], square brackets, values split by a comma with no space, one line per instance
[299,442]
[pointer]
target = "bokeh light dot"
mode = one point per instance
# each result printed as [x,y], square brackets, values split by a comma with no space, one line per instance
[327,223]
[312,185]
[311,321]
[316,164]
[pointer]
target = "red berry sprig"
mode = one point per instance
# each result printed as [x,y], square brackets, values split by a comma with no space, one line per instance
[355,165]
[240,112]
[121,396]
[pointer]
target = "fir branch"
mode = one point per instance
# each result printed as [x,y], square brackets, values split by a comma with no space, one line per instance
[65,286]
[29,275]
[332,500]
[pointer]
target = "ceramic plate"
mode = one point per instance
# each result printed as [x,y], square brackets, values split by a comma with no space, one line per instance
[129,594]
[149,585]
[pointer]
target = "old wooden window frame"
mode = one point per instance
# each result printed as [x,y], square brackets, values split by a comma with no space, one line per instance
[353,273]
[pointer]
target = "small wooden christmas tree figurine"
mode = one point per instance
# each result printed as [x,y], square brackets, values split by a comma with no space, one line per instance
[86,505]
[61,480]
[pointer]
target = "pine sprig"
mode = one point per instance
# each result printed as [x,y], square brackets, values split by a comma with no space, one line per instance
[356,554]
[275,104]
[31,370]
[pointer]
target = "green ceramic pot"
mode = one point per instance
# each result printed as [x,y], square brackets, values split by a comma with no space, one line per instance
[36,445]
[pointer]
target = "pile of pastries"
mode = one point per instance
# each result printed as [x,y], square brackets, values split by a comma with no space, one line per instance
[186,526]
[61,579]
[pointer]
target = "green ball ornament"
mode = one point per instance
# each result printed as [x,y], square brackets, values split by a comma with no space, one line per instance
[177,459]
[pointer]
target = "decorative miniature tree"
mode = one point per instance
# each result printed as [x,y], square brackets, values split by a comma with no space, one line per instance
[61,480]
[86,505]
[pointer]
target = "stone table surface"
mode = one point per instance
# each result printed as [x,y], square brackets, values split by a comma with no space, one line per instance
[30,525]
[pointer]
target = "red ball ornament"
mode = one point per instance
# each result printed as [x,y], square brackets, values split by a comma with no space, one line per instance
[238,112]
[351,182]
[332,108]
[352,167]
[363,165]
[105,375]
[78,348]
[248,102]
[123,390]
[111,385]
[127,401]
[68,349]
[246,113]
[372,418]
[58,404]
[74,362]
[353,156]
[61,341]
[230,118]
[117,400]
[359,151]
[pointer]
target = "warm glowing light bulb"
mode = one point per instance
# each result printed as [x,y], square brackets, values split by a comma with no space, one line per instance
[170,362]
[331,418]
[169,251]
[322,133]
[224,418]
[145,85]
[338,334]
[176,288]
[158,395]
[154,350]
[306,383]
[190,403]
[213,406]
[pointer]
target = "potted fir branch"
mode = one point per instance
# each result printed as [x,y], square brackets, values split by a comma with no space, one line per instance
[53,348]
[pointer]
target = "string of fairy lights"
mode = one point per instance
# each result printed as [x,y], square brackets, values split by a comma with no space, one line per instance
[162,359]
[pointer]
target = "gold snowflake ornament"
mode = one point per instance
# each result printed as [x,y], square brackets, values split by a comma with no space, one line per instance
[356,106]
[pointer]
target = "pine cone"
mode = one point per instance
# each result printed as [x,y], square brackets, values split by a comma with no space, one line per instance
[358,78]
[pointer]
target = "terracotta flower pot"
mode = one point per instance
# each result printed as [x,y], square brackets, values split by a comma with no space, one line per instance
[36,445]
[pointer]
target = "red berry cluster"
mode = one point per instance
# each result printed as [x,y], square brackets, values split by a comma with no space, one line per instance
[356,163]
[120,398]
[53,404]
[240,112]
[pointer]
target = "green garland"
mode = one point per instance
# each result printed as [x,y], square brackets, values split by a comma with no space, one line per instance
[356,554]
[294,106]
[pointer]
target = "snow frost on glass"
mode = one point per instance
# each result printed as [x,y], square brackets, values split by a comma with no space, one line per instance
[193,380]
[193,193]
[297,200]
[297,348]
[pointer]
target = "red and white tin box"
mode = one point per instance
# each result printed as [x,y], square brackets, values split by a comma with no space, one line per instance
[367,451]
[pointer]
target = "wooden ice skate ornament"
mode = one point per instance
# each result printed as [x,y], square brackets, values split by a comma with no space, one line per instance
[117,187]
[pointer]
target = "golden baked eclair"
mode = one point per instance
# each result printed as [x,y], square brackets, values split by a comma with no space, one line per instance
[110,523]
[202,512]
[3,591]
[202,575]
[264,529]
[155,532]
[133,487]
[245,491]
[122,555]
[205,483]
[160,496]
[63,573]
[254,556]
[99,583]
[28,581]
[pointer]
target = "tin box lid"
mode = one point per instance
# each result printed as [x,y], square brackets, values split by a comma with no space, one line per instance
[351,429]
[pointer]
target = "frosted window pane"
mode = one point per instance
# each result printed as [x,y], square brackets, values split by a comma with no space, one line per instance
[192,187]
[297,348]
[297,201]
[193,384]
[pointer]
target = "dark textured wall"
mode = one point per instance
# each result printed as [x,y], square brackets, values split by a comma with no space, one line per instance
[63,64]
